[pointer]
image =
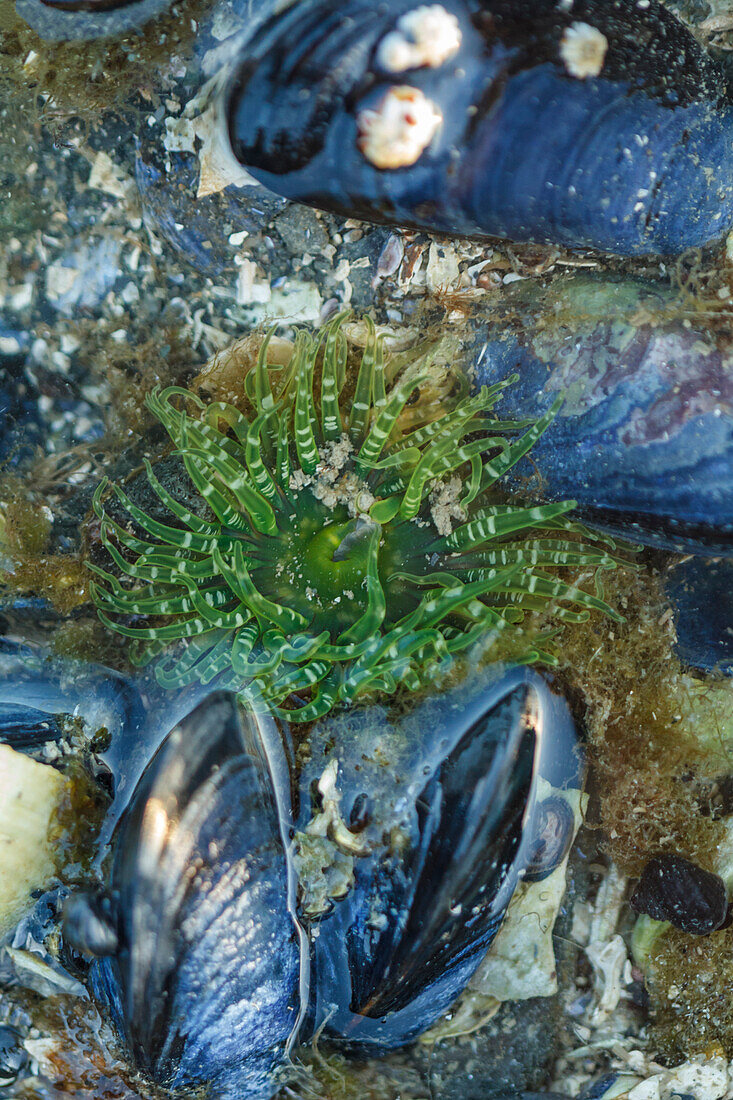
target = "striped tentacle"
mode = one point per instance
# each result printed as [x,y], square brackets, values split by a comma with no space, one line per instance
[546,588]
[385,421]
[497,521]
[182,668]
[184,628]
[243,587]
[322,701]
[333,376]
[361,405]
[234,482]
[215,494]
[174,536]
[497,467]
[438,461]
[258,471]
[158,401]
[373,616]
[304,413]
[185,515]
[541,552]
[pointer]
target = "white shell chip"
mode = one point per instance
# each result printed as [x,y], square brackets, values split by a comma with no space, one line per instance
[425,36]
[397,131]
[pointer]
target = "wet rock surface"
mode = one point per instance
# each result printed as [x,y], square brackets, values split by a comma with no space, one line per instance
[511,1054]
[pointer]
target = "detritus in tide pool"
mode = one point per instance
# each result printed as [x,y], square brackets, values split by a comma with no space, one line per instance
[57,79]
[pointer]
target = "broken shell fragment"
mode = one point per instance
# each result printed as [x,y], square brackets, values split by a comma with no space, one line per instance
[33,796]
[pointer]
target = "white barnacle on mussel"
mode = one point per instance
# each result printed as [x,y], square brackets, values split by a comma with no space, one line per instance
[398,128]
[427,35]
[583,50]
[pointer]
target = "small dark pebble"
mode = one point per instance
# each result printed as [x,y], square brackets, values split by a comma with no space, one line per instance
[13,1055]
[674,889]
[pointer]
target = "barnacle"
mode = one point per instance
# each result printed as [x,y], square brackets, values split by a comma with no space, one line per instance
[329,563]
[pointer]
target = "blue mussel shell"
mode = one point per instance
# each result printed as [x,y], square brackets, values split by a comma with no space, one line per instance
[205,985]
[644,438]
[633,155]
[701,591]
[453,824]
[74,20]
[208,968]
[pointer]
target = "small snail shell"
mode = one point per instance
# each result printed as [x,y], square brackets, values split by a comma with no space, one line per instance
[554,828]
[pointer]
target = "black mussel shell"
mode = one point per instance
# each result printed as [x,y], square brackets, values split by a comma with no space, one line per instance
[644,438]
[46,699]
[27,729]
[205,985]
[454,825]
[674,889]
[73,20]
[599,123]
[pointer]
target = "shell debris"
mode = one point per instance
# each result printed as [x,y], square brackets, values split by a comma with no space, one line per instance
[33,794]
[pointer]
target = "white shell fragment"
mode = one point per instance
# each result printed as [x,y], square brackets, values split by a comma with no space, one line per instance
[32,795]
[425,36]
[521,961]
[583,50]
[399,129]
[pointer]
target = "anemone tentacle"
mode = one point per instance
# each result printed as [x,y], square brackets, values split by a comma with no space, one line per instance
[327,565]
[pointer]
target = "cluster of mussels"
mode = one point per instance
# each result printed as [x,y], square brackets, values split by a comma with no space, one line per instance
[316,612]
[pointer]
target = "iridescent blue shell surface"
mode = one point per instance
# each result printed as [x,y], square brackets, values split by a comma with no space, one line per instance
[451,819]
[205,986]
[600,124]
[644,438]
[701,591]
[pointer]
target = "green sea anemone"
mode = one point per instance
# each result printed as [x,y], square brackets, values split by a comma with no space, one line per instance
[334,554]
